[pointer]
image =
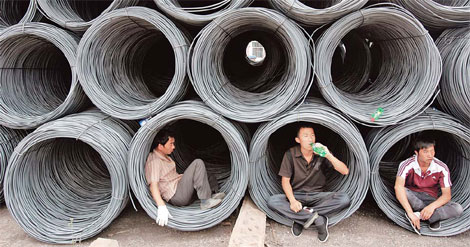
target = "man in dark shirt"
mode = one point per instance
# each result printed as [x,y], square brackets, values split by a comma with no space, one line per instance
[303,178]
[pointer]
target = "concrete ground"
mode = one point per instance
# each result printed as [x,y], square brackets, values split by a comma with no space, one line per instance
[367,227]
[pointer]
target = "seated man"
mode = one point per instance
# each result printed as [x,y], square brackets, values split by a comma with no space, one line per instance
[417,187]
[177,189]
[302,177]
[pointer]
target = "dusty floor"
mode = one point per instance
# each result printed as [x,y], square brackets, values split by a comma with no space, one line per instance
[367,227]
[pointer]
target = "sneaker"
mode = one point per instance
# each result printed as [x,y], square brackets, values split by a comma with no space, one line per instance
[210,203]
[220,195]
[296,229]
[323,229]
[435,226]
[310,221]
[411,223]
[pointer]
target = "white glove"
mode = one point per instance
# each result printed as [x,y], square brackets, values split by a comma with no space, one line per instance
[162,217]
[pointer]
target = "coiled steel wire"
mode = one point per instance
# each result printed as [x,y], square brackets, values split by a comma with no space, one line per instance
[78,15]
[221,80]
[132,63]
[199,15]
[9,138]
[409,65]
[13,12]
[439,14]
[190,218]
[454,150]
[454,45]
[38,79]
[320,13]
[67,181]
[264,179]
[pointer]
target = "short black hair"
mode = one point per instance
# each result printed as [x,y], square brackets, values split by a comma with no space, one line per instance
[162,137]
[423,142]
[302,125]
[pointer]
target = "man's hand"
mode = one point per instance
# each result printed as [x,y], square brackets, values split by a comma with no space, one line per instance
[327,151]
[415,220]
[163,214]
[296,206]
[427,212]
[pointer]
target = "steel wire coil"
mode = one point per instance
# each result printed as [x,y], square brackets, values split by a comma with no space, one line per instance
[67,181]
[338,133]
[14,12]
[190,218]
[452,147]
[78,15]
[132,63]
[38,79]
[322,12]
[439,14]
[454,45]
[9,138]
[227,82]
[409,65]
[199,15]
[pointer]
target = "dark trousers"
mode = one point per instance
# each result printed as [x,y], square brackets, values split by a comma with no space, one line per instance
[419,200]
[195,181]
[324,203]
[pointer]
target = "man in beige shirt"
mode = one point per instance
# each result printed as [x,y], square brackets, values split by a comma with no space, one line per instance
[178,189]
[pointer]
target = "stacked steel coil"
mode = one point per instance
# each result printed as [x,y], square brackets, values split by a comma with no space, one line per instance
[191,218]
[264,180]
[453,149]
[38,77]
[67,180]
[117,58]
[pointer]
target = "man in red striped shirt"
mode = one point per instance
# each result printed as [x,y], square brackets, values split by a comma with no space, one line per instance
[417,187]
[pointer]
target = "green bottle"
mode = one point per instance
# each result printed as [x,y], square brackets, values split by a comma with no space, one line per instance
[318,149]
[377,114]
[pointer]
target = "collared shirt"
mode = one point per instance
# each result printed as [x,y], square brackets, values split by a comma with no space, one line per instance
[306,177]
[436,175]
[163,171]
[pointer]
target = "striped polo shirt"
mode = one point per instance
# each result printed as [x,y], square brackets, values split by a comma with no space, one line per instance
[436,175]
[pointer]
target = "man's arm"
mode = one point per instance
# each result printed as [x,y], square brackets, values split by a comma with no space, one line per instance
[155,191]
[337,164]
[295,205]
[400,193]
[427,212]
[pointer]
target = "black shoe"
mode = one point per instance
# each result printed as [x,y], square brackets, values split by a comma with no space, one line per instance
[296,229]
[323,230]
[435,226]
[310,221]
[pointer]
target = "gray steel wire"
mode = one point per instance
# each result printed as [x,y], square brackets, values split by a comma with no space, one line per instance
[410,65]
[290,84]
[439,14]
[190,218]
[38,79]
[78,15]
[381,141]
[111,59]
[67,181]
[316,16]
[454,45]
[13,12]
[265,182]
[9,138]
[199,16]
